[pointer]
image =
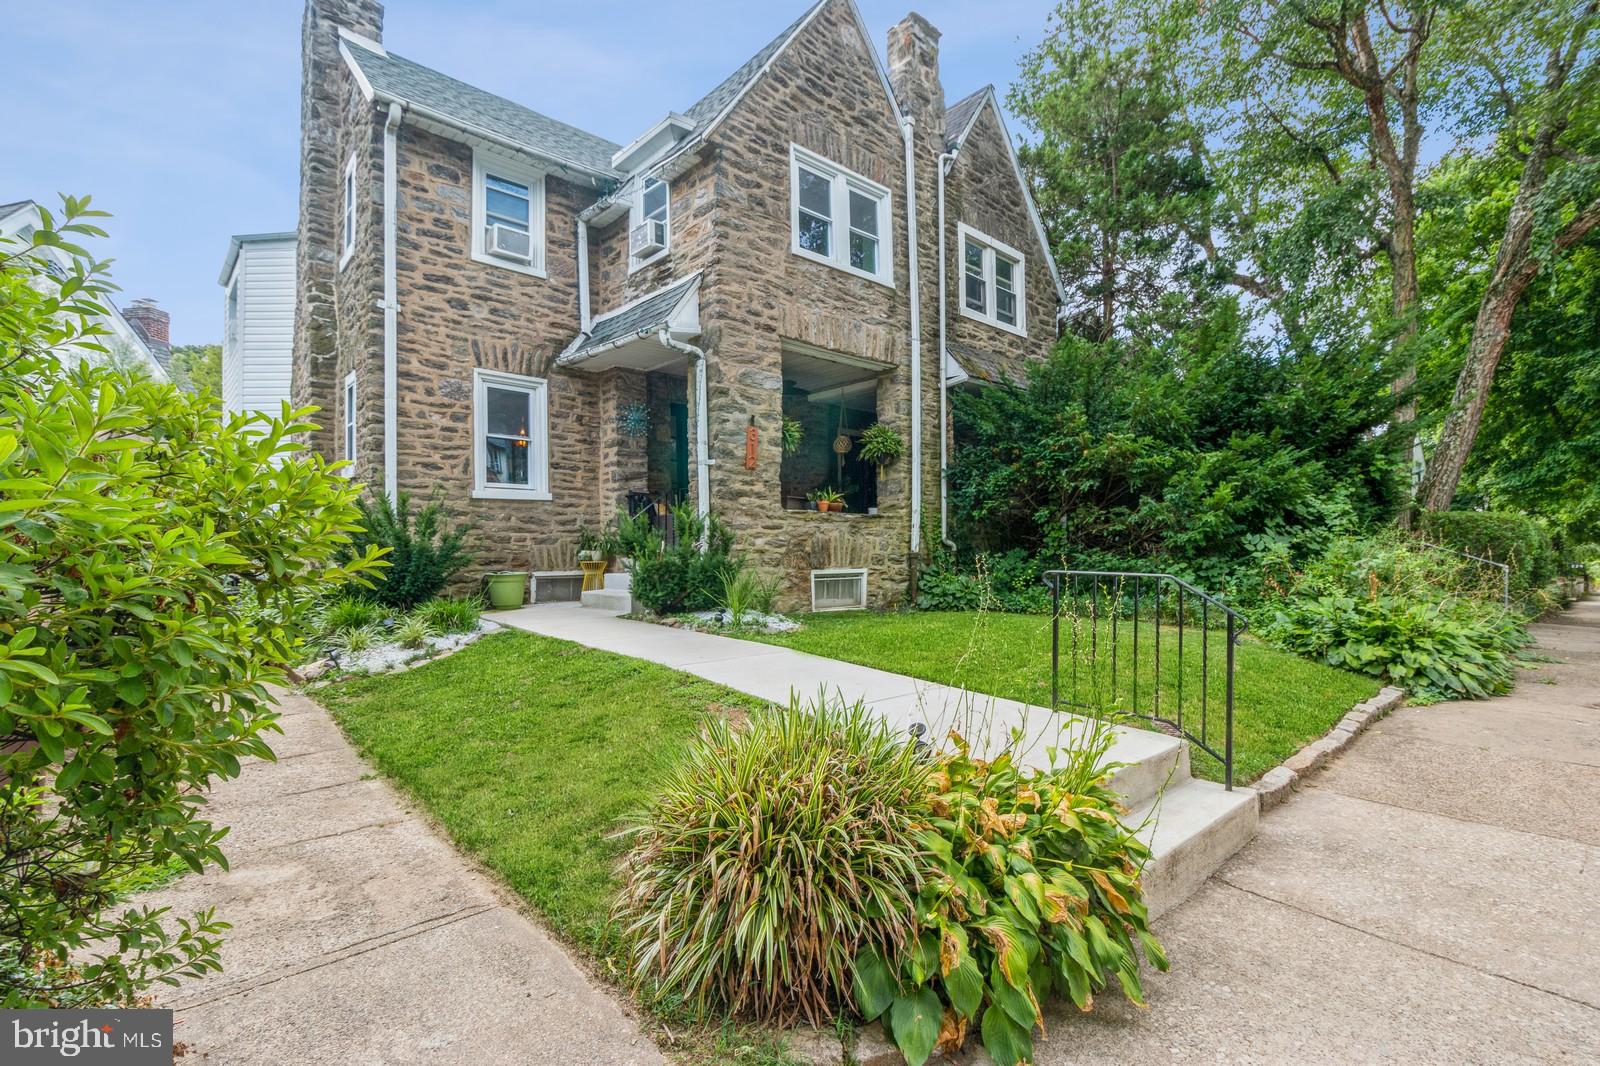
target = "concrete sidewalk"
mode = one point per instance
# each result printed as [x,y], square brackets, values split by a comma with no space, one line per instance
[360,936]
[1432,897]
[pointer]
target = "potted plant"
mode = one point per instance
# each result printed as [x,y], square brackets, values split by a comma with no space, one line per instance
[793,434]
[830,500]
[881,446]
[505,588]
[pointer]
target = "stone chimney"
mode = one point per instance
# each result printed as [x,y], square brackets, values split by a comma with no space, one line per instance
[324,87]
[914,73]
[153,326]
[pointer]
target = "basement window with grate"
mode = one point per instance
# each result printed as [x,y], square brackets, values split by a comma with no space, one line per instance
[839,589]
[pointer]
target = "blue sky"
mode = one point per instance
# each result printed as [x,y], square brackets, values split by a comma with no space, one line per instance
[182,118]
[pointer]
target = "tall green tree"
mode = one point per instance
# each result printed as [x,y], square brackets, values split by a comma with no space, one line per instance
[197,368]
[1115,173]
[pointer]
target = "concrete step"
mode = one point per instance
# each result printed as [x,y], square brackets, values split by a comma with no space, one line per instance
[1192,828]
[616,601]
[621,580]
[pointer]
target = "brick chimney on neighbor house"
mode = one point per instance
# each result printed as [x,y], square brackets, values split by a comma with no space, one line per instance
[153,326]
[325,85]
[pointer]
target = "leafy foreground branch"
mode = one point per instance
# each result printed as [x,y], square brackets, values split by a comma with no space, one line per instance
[156,567]
[811,862]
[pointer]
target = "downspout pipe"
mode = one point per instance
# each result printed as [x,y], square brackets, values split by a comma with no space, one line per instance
[702,431]
[391,305]
[907,129]
[584,321]
[946,159]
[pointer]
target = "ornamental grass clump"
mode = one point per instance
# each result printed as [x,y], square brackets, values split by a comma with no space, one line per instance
[778,851]
[1030,888]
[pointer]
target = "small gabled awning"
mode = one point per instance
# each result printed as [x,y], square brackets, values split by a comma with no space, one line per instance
[630,336]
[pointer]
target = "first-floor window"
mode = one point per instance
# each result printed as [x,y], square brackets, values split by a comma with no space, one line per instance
[511,425]
[991,281]
[350,421]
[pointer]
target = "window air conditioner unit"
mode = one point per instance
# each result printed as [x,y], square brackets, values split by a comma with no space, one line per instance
[647,238]
[509,243]
[838,589]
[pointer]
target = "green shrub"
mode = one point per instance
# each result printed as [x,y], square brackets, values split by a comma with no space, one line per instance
[424,552]
[683,578]
[775,854]
[451,616]
[1436,649]
[360,640]
[1030,887]
[999,581]
[1504,536]
[348,612]
[158,569]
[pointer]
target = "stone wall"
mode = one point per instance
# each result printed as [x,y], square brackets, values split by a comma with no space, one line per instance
[982,191]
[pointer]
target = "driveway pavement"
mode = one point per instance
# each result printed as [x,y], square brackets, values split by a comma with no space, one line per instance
[1432,897]
[361,937]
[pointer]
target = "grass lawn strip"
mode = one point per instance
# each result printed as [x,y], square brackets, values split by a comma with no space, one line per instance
[1281,701]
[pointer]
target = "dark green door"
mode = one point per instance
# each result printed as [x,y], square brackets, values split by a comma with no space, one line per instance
[680,452]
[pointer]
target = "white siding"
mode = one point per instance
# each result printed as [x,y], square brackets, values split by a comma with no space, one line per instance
[256,356]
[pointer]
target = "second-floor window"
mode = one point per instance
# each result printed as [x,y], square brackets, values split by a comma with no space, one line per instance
[649,232]
[347,221]
[839,217]
[507,215]
[991,281]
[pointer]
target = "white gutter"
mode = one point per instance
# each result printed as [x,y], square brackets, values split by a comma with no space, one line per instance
[702,432]
[907,126]
[584,322]
[391,388]
[945,160]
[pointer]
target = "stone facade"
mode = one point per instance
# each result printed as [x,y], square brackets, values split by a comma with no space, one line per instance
[730,220]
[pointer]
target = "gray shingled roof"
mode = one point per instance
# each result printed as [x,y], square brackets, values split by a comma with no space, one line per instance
[711,104]
[400,79]
[649,314]
[959,115]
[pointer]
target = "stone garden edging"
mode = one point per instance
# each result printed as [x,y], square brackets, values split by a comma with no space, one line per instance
[1278,783]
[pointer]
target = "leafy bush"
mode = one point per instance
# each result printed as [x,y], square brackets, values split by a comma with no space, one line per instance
[668,580]
[1504,536]
[451,616]
[413,631]
[776,853]
[348,612]
[1003,581]
[1030,886]
[424,553]
[158,568]
[1436,649]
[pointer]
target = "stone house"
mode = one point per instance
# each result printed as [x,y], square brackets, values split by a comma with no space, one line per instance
[538,324]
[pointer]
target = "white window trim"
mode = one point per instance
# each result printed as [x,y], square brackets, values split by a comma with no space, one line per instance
[533,178]
[843,181]
[1019,279]
[347,214]
[538,433]
[636,217]
[347,425]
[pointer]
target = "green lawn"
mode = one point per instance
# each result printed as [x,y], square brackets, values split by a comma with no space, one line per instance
[1281,701]
[531,752]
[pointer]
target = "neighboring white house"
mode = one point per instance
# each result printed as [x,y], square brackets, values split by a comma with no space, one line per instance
[258,321]
[125,343]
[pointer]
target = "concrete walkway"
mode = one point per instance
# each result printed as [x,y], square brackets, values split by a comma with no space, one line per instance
[1432,897]
[360,936]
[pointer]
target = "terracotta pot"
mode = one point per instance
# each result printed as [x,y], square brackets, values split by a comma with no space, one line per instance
[822,505]
[836,505]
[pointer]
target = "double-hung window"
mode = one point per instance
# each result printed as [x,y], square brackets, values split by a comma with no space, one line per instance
[839,217]
[507,214]
[511,436]
[991,281]
[649,229]
[350,423]
[347,220]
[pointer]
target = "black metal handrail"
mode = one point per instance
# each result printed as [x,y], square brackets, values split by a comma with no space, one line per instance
[1117,599]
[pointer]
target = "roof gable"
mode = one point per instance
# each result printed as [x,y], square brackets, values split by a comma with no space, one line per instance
[973,109]
[384,75]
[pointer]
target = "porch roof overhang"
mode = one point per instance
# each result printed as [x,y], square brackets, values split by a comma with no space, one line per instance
[630,336]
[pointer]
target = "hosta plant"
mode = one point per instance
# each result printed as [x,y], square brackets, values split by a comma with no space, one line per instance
[776,853]
[1030,889]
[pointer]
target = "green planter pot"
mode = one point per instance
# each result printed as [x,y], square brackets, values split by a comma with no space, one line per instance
[506,588]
